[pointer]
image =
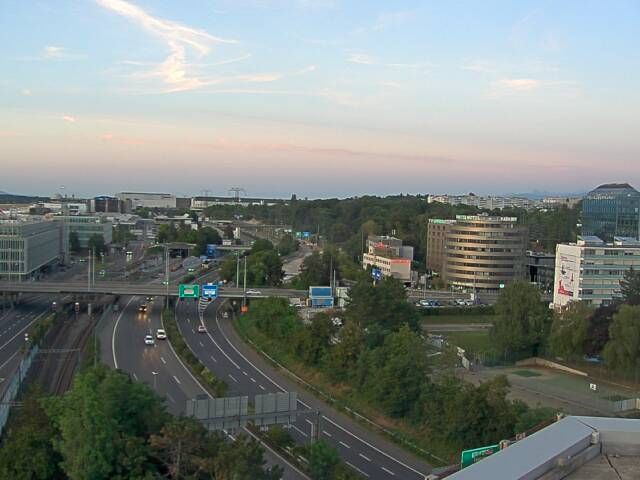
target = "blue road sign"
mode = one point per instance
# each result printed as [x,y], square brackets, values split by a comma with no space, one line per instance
[376,273]
[209,290]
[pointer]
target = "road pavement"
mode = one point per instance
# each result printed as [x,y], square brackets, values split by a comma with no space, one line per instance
[122,346]
[246,373]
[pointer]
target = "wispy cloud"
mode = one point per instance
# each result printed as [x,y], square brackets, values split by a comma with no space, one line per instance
[54,53]
[515,86]
[69,118]
[364,59]
[26,92]
[179,72]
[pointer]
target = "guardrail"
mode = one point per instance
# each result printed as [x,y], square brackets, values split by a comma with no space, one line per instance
[14,384]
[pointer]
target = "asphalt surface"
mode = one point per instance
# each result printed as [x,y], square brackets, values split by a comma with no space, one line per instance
[246,373]
[122,346]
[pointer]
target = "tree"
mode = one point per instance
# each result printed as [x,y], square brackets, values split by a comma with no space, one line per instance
[396,372]
[630,287]
[569,330]
[323,461]
[264,268]
[521,319]
[261,245]
[287,245]
[103,422]
[27,452]
[342,358]
[96,244]
[181,445]
[74,242]
[622,351]
[312,341]
[380,309]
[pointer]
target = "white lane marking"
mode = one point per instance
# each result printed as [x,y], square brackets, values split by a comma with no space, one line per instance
[307,406]
[344,444]
[371,446]
[176,379]
[244,373]
[170,397]
[220,348]
[309,422]
[233,378]
[357,469]
[201,344]
[21,330]
[9,359]
[253,380]
[327,433]
[163,360]
[299,431]
[135,376]
[365,457]
[113,335]
[261,387]
[213,358]
[388,471]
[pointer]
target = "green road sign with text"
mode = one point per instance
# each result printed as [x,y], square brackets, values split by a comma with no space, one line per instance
[469,457]
[188,291]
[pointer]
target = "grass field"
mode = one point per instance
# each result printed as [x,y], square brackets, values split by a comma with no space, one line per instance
[472,342]
[457,319]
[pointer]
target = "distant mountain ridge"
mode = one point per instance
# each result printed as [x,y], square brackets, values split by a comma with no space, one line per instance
[13,198]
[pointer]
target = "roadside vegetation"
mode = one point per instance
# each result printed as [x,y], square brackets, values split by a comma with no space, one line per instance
[110,427]
[264,266]
[371,358]
[216,386]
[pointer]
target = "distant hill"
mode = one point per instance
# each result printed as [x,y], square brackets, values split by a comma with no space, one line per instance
[11,198]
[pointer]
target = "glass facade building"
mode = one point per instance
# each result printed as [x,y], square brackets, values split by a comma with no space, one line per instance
[611,210]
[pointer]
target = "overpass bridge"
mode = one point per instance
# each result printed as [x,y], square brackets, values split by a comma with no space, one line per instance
[125,288]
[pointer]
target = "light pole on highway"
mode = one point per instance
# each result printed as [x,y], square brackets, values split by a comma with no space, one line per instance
[155,383]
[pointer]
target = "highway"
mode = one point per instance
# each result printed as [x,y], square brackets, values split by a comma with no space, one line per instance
[247,373]
[122,346]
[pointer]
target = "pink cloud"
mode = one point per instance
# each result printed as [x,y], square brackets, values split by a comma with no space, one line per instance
[69,118]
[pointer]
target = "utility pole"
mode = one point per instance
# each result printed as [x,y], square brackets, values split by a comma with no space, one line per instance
[237,267]
[244,288]
[166,275]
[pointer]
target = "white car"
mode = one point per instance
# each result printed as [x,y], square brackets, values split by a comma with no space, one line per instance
[254,292]
[202,329]
[161,334]
[148,340]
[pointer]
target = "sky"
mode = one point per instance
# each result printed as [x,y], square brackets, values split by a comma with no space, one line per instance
[320,98]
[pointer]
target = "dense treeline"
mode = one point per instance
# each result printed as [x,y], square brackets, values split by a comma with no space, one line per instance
[109,427]
[374,352]
[201,237]
[264,266]
[347,222]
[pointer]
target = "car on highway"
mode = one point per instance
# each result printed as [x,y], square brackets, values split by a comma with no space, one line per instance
[149,299]
[202,329]
[102,273]
[254,292]
[148,340]
[161,334]
[142,308]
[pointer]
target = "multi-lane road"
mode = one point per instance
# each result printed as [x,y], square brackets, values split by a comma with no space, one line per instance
[246,373]
[122,346]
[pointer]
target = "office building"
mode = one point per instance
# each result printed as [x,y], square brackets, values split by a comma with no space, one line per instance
[485,253]
[489,202]
[26,247]
[611,210]
[541,269]
[106,204]
[85,227]
[135,200]
[590,270]
[390,256]
[436,234]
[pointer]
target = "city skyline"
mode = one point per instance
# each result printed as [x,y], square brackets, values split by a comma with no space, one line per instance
[322,98]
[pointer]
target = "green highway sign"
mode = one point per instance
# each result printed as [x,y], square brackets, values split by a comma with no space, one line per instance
[189,291]
[469,457]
